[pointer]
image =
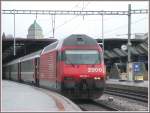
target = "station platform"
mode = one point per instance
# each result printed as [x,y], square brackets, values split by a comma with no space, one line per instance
[138,86]
[20,97]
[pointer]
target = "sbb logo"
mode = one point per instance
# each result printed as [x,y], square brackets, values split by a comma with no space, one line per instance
[90,70]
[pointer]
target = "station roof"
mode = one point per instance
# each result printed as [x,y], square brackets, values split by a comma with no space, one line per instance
[120,52]
[118,42]
[23,47]
[136,49]
[112,47]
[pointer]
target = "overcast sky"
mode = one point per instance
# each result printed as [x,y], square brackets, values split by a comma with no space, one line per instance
[67,25]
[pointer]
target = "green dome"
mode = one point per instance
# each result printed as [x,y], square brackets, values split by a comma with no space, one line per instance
[35,31]
[35,26]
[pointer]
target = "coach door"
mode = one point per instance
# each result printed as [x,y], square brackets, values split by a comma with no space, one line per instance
[19,71]
[36,71]
[9,67]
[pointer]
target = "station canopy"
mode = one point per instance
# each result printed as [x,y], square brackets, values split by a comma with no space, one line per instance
[112,48]
[23,47]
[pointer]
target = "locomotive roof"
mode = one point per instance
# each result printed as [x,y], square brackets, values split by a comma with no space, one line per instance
[13,62]
[26,57]
[31,56]
[50,47]
[72,40]
[79,39]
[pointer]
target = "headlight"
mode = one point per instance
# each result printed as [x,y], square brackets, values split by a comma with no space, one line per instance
[97,78]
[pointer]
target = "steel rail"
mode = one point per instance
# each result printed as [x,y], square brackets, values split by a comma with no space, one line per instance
[92,102]
[144,95]
[125,94]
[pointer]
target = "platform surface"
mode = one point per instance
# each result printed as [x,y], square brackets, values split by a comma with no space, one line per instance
[21,97]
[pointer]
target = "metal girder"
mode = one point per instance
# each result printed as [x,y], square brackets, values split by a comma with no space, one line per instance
[119,52]
[67,12]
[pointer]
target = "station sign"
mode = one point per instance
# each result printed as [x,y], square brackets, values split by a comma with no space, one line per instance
[136,67]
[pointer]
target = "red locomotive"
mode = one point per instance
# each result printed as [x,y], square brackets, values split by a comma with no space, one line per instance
[73,66]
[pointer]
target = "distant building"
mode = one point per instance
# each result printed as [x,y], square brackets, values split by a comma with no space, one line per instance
[141,35]
[3,36]
[35,31]
[9,36]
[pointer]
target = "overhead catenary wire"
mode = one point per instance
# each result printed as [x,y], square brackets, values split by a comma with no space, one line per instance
[76,13]
[77,5]
[122,26]
[53,22]
[71,19]
[109,32]
[53,25]
[79,12]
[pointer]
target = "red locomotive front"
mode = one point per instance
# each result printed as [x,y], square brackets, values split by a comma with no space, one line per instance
[82,68]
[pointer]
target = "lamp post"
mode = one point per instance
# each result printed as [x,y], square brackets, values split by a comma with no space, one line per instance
[129,33]
[130,75]
[14,35]
[103,33]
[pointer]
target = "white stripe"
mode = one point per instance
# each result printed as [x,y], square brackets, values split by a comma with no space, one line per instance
[29,58]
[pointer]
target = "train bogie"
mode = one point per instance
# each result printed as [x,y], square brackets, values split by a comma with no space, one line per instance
[86,88]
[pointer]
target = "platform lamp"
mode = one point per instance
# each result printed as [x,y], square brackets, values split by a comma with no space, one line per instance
[14,35]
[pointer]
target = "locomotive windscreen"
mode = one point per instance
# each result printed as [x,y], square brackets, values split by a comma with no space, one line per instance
[82,57]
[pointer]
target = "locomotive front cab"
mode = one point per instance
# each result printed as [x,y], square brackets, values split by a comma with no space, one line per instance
[82,67]
[83,71]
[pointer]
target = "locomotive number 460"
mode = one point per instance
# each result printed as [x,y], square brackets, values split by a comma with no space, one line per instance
[94,70]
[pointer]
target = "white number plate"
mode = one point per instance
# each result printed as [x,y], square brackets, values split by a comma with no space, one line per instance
[90,70]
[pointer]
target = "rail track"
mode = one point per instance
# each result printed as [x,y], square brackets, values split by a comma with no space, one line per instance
[139,96]
[91,105]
